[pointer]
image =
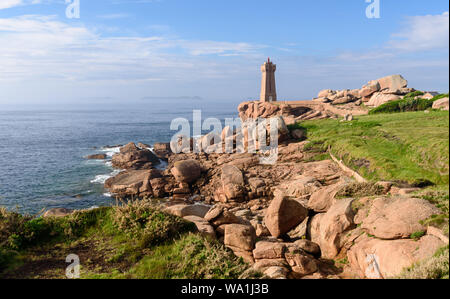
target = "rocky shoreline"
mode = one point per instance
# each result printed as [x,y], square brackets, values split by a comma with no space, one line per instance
[286,220]
[298,217]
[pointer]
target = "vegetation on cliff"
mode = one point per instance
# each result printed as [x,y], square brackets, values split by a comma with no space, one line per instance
[129,241]
[410,102]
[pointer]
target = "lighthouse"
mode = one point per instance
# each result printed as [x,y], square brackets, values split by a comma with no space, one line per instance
[268,87]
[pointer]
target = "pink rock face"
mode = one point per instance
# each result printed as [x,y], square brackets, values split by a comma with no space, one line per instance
[232,182]
[325,93]
[132,157]
[392,82]
[379,98]
[284,214]
[442,104]
[321,200]
[376,259]
[301,264]
[395,218]
[187,171]
[132,182]
[328,229]
[369,89]
[269,250]
[253,110]
[183,210]
[239,236]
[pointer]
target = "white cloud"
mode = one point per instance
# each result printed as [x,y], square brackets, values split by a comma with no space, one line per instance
[10,3]
[42,47]
[423,33]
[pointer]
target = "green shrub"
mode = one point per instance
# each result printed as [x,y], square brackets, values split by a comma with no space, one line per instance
[417,235]
[414,94]
[440,96]
[360,190]
[404,105]
[139,219]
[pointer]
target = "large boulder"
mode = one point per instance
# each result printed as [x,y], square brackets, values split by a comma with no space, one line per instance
[132,182]
[240,237]
[254,110]
[232,182]
[376,259]
[328,228]
[301,186]
[202,225]
[396,218]
[322,199]
[325,93]
[380,98]
[183,210]
[186,171]
[301,263]
[441,104]
[392,82]
[132,157]
[284,214]
[217,216]
[162,150]
[344,99]
[369,89]
[308,246]
[269,250]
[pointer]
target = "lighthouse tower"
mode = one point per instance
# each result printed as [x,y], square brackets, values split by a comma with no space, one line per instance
[268,87]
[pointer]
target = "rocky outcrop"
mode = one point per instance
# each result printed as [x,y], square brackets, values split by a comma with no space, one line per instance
[380,98]
[284,214]
[441,104]
[133,182]
[376,259]
[328,229]
[162,150]
[241,239]
[132,157]
[254,110]
[285,218]
[186,171]
[232,182]
[396,218]
[322,199]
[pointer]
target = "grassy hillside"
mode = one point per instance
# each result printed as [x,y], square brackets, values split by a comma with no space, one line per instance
[410,147]
[134,241]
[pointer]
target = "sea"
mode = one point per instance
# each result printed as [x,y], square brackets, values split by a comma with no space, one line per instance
[42,149]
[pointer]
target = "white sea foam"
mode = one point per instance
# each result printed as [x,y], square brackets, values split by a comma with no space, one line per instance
[111,151]
[107,194]
[101,178]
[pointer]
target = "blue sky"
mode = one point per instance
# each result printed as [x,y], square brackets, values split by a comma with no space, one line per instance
[121,50]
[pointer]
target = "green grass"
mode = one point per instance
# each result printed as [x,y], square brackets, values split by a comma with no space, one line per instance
[191,257]
[129,241]
[411,147]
